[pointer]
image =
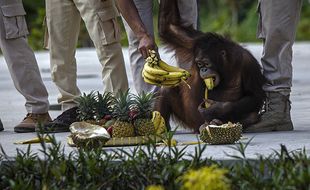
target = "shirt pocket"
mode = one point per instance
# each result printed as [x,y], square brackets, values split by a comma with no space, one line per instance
[15,25]
[108,25]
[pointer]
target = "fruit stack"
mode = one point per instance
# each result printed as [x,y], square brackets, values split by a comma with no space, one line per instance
[128,118]
[134,116]
[157,72]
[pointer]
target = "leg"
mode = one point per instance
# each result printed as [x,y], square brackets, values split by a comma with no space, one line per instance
[22,65]
[100,19]
[277,27]
[188,12]
[63,23]
[136,60]
[279,21]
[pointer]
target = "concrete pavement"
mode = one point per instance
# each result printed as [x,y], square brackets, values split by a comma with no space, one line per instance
[12,108]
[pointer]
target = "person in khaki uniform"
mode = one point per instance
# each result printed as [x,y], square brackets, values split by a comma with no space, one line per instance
[188,13]
[277,27]
[100,16]
[22,65]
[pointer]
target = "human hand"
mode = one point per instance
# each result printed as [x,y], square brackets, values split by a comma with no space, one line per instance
[147,43]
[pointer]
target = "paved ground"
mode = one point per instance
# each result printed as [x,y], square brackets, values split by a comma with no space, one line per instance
[12,105]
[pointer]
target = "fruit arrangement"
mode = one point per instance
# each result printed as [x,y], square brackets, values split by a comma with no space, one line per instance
[122,115]
[157,72]
[135,116]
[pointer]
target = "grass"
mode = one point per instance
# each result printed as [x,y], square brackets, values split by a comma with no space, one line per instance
[149,167]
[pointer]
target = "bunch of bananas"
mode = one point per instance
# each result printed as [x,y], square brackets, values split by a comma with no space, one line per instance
[157,72]
[209,86]
[159,122]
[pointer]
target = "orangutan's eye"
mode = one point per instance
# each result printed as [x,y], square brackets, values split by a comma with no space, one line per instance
[208,65]
[200,64]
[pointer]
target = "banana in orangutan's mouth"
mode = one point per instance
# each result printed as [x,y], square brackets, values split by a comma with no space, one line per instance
[209,86]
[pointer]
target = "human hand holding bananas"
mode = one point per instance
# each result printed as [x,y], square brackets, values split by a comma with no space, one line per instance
[157,72]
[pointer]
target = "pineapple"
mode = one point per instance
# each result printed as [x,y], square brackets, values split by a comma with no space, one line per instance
[143,104]
[86,107]
[103,108]
[121,112]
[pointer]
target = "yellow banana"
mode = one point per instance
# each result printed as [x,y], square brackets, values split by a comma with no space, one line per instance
[174,75]
[159,122]
[209,83]
[46,139]
[171,82]
[152,51]
[151,81]
[149,59]
[161,127]
[209,86]
[171,142]
[156,117]
[168,83]
[169,68]
[154,70]
[184,78]
[157,72]
[158,78]
[206,97]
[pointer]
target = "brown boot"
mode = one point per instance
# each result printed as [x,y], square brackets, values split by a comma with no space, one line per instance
[30,121]
[275,116]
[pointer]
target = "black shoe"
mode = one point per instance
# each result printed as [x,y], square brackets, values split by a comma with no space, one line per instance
[61,123]
[1,126]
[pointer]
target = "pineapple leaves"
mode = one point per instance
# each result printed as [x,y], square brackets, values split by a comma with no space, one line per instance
[94,106]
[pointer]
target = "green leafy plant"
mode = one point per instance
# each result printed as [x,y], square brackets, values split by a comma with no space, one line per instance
[151,167]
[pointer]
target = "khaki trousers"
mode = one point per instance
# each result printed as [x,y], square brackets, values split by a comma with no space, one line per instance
[19,56]
[188,12]
[277,26]
[63,19]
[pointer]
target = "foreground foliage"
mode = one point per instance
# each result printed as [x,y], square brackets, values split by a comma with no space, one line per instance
[151,167]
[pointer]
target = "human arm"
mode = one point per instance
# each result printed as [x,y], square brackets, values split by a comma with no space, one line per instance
[130,14]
